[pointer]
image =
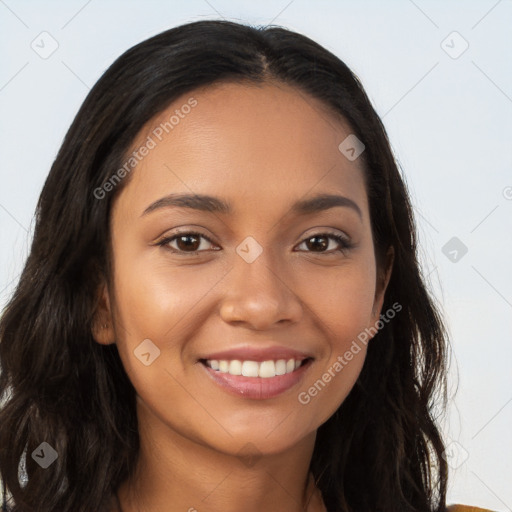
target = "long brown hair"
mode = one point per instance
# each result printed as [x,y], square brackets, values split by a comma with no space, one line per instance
[381,450]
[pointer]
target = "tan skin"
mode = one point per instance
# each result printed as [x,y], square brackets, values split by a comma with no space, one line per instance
[261,148]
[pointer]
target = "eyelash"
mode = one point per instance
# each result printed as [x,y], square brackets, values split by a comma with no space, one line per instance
[345,245]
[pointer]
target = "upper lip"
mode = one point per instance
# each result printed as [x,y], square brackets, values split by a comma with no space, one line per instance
[257,354]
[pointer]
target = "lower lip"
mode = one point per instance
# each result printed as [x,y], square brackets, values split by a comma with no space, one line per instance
[257,388]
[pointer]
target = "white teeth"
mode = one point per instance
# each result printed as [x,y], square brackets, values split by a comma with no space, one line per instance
[267,369]
[235,367]
[250,369]
[263,369]
[280,367]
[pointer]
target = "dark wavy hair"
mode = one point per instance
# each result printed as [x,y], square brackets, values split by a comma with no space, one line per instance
[381,450]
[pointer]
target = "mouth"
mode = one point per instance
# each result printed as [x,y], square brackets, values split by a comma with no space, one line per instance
[263,369]
[258,380]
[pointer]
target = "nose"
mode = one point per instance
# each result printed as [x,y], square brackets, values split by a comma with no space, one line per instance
[260,296]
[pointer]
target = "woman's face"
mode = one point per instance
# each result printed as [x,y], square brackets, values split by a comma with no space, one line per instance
[256,276]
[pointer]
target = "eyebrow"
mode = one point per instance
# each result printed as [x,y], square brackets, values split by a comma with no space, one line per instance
[211,204]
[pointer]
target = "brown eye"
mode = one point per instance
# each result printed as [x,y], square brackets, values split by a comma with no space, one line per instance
[320,242]
[317,243]
[186,243]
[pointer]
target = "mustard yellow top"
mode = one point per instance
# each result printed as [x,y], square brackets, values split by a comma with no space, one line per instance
[466,508]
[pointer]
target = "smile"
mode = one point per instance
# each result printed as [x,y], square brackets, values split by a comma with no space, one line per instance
[258,380]
[263,369]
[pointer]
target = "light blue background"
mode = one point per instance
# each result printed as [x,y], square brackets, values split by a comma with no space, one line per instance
[449,121]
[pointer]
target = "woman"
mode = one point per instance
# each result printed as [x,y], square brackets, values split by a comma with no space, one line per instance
[222,308]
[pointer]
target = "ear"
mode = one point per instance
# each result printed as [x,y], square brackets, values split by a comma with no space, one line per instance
[383,277]
[102,325]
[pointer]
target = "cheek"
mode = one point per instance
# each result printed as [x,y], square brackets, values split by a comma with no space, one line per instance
[342,304]
[164,306]
[342,299]
[154,304]
[157,301]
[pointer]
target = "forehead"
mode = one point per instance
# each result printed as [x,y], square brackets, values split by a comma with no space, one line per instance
[254,145]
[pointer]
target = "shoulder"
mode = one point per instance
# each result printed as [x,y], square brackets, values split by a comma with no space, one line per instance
[466,508]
